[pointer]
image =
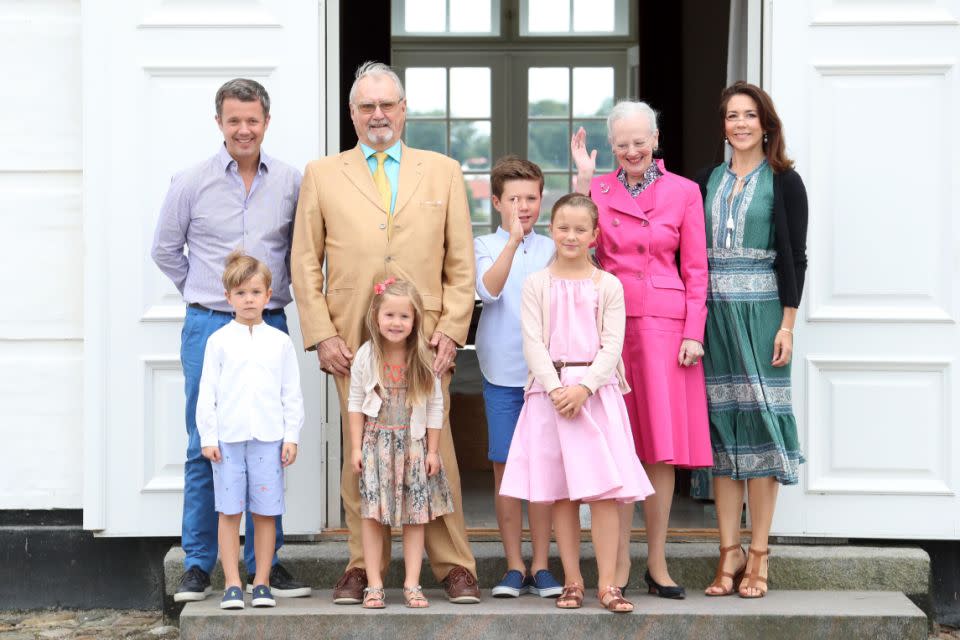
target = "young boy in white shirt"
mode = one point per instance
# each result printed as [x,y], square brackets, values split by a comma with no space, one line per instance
[249,416]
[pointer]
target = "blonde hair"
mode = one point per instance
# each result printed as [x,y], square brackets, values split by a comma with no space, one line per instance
[420,379]
[240,267]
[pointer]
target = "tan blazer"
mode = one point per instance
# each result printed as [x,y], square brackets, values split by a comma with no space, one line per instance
[340,219]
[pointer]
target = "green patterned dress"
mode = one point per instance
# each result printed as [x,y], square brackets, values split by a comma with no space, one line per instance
[752,428]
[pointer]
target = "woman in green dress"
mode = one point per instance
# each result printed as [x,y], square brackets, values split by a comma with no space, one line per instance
[756,225]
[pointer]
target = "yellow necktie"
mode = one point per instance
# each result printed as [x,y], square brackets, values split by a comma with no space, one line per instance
[383,186]
[380,179]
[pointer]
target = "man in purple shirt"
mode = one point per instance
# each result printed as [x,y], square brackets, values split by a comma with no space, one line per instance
[239,198]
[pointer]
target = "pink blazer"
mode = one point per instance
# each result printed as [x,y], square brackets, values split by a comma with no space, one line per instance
[639,242]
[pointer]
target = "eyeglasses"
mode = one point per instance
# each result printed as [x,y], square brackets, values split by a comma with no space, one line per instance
[636,144]
[387,106]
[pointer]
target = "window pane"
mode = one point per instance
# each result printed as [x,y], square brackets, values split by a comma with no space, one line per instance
[593,15]
[427,134]
[597,139]
[470,144]
[426,91]
[470,16]
[425,16]
[470,92]
[548,144]
[548,16]
[554,186]
[478,194]
[549,91]
[592,91]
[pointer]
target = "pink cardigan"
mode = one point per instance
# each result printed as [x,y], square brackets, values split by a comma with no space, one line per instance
[535,324]
[639,242]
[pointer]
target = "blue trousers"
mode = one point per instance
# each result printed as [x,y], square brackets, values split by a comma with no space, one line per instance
[200,519]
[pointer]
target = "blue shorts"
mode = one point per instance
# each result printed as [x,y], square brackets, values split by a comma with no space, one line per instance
[503,406]
[249,472]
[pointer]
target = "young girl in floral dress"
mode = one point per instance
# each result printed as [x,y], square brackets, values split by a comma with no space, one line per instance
[396,413]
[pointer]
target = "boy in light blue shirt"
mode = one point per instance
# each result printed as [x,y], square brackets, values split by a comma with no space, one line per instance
[504,260]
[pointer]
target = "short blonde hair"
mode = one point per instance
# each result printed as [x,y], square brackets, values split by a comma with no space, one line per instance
[240,267]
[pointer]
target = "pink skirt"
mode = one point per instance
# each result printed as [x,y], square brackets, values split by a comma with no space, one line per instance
[668,402]
[589,457]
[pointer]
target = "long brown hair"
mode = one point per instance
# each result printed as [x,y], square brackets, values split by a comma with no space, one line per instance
[419,370]
[774,148]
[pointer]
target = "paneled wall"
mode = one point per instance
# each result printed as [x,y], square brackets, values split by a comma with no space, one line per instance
[41,329]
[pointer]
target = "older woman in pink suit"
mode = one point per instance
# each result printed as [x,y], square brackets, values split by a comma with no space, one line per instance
[651,220]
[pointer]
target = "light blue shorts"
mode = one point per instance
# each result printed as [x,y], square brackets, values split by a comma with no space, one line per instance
[249,473]
[503,406]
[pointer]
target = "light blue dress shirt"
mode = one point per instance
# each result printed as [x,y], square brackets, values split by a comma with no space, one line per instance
[391,166]
[499,341]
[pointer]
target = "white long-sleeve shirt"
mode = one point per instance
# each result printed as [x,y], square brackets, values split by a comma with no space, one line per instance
[250,386]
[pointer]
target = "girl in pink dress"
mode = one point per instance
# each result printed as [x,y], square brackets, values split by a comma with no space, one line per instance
[573,441]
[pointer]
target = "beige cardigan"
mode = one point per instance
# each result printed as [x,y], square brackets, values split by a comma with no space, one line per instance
[535,324]
[364,397]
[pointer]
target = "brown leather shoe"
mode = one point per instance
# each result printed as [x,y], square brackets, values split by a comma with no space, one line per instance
[461,586]
[350,586]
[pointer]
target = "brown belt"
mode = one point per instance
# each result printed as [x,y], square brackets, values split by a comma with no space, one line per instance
[560,364]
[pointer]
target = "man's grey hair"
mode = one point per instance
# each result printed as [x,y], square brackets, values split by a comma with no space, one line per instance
[627,109]
[373,68]
[244,90]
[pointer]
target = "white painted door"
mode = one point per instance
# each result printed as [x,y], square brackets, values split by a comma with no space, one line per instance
[869,93]
[151,69]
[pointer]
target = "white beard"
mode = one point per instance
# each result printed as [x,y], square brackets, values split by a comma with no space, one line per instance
[380,138]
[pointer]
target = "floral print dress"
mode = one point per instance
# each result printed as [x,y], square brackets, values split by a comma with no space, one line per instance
[394,487]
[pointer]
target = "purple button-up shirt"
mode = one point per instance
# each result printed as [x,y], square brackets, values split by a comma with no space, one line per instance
[208,211]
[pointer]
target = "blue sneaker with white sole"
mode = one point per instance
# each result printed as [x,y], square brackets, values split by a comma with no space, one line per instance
[232,598]
[543,584]
[262,597]
[512,585]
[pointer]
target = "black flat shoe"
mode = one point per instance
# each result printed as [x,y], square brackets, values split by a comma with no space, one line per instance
[674,593]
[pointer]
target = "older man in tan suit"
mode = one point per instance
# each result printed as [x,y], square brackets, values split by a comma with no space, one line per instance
[378,210]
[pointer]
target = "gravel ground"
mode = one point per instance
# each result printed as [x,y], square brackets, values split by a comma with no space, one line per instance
[107,624]
[98,624]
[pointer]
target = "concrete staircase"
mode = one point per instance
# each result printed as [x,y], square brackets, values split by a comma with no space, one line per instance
[820,592]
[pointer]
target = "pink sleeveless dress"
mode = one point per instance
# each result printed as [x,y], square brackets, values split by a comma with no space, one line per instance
[588,457]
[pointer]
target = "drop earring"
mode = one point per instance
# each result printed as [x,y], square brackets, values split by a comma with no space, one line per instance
[764,138]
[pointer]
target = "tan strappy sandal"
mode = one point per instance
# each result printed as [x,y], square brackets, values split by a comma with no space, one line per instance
[415,598]
[735,578]
[612,599]
[753,578]
[572,596]
[374,598]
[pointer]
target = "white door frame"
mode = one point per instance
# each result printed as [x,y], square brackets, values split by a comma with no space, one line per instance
[125,47]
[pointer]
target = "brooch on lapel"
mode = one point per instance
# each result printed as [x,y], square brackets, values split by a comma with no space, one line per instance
[604,187]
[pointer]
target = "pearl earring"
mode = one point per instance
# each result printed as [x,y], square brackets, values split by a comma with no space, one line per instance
[764,138]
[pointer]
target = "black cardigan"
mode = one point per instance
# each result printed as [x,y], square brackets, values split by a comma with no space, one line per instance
[789,231]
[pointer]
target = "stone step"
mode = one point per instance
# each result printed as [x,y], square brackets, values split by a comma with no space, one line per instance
[792,567]
[785,615]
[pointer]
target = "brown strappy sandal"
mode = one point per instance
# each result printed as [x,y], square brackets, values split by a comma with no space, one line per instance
[612,599]
[736,578]
[753,578]
[572,596]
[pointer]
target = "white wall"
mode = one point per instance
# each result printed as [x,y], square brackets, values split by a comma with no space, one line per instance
[41,328]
